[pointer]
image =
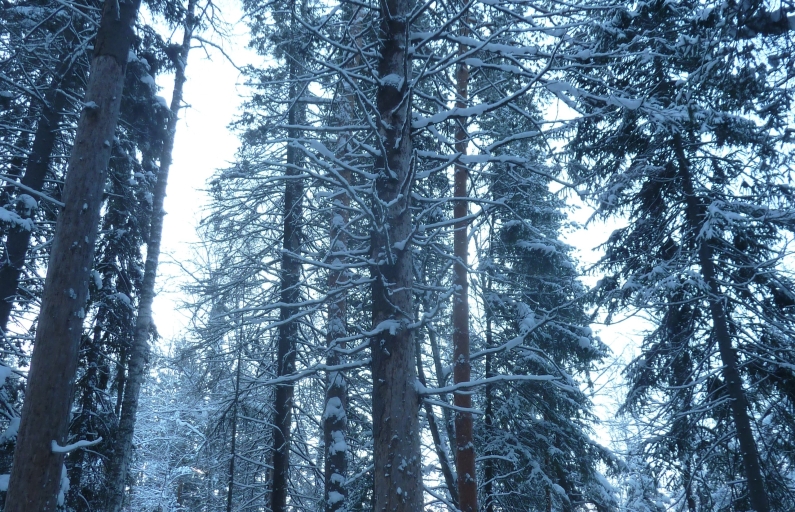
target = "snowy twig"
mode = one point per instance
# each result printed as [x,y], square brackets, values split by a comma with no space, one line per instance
[29,190]
[56,448]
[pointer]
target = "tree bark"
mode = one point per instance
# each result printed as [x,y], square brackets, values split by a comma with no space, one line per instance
[335,422]
[720,329]
[465,446]
[36,472]
[290,292]
[396,430]
[139,352]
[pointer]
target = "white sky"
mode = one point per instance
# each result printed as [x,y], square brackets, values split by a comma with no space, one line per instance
[203,144]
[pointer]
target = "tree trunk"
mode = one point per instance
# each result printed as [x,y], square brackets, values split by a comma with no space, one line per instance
[88,409]
[396,429]
[335,422]
[465,446]
[290,296]
[15,166]
[720,329]
[38,162]
[139,352]
[36,472]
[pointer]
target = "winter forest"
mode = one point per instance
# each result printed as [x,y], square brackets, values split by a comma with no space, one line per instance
[386,307]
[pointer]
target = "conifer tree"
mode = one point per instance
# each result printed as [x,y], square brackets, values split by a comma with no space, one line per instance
[38,466]
[686,138]
[139,349]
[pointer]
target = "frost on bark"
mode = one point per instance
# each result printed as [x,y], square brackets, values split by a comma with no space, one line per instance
[139,352]
[335,423]
[398,477]
[36,471]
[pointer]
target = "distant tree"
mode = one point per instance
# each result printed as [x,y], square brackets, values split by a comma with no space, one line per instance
[536,434]
[139,349]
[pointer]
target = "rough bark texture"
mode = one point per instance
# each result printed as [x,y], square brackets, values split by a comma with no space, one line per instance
[335,422]
[465,446]
[18,239]
[396,429]
[36,472]
[720,330]
[139,352]
[290,296]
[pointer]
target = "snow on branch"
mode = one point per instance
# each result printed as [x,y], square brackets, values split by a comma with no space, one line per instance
[56,448]
[423,391]
[456,408]
[12,181]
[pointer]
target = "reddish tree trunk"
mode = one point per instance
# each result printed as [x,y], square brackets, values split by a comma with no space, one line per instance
[335,423]
[36,472]
[396,428]
[465,447]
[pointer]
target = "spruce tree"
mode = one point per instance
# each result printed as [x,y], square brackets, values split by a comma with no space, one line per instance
[683,132]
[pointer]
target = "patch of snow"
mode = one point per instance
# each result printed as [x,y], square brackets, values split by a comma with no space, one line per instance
[11,432]
[15,219]
[27,203]
[338,444]
[334,409]
[392,80]
[388,325]
[334,497]
[64,486]
[122,298]
[97,279]
[147,79]
[628,103]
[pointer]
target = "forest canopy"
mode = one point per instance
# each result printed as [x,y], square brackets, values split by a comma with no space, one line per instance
[386,307]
